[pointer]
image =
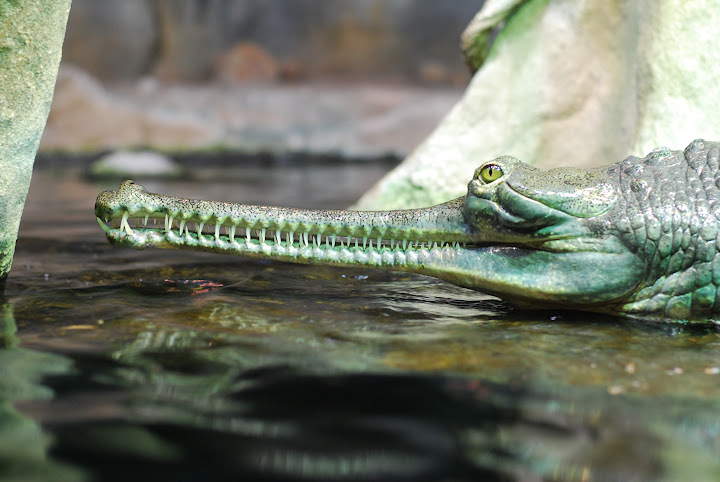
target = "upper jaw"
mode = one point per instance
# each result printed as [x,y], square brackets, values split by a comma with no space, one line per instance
[442,224]
[465,222]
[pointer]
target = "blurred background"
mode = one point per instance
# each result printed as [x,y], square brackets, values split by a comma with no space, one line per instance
[120,364]
[359,78]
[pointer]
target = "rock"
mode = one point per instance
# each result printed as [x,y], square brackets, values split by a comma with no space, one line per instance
[135,164]
[246,63]
[31,37]
[352,120]
[84,116]
[581,83]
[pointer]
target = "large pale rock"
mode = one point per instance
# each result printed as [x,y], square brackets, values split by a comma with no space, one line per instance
[85,116]
[570,82]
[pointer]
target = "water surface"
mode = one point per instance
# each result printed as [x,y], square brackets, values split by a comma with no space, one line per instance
[165,365]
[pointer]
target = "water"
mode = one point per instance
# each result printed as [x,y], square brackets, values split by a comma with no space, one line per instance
[164,365]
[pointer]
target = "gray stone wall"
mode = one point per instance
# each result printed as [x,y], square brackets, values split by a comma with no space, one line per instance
[179,40]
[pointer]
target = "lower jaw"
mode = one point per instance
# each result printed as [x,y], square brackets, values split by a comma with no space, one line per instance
[396,258]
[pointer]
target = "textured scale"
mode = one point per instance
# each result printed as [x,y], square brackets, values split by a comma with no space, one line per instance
[669,212]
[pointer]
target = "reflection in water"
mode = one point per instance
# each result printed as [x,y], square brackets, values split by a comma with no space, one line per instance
[271,423]
[23,444]
[172,366]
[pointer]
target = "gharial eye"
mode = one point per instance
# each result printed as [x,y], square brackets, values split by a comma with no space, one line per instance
[490,173]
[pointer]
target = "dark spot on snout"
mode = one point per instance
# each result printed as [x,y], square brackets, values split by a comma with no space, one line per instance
[637,185]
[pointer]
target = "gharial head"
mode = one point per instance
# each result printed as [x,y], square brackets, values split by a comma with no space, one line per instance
[530,205]
[536,238]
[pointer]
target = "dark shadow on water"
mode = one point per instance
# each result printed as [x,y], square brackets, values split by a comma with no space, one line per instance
[579,318]
[172,415]
[286,426]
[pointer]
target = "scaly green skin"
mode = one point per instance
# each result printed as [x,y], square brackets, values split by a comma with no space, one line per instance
[638,238]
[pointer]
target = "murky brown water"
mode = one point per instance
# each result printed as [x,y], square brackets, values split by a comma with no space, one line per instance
[168,365]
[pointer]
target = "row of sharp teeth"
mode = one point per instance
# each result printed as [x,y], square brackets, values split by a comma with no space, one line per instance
[263,234]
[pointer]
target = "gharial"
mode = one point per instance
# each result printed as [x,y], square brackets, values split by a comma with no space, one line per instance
[639,238]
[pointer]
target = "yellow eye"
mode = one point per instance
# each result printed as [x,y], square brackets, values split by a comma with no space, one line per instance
[490,173]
